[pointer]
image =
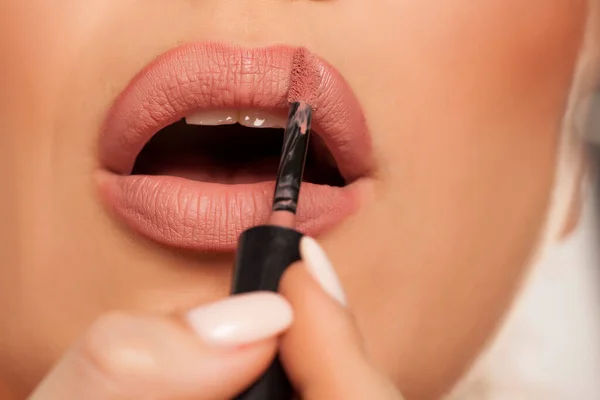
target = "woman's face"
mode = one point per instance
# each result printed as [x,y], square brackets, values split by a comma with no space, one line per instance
[463,105]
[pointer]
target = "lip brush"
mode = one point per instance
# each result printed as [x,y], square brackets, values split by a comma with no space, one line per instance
[291,165]
[265,251]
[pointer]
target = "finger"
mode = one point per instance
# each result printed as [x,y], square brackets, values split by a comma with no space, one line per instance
[213,353]
[322,351]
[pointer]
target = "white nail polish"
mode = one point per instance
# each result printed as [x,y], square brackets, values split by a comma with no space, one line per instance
[241,319]
[320,268]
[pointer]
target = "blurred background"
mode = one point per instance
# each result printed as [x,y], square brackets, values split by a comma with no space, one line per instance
[594,121]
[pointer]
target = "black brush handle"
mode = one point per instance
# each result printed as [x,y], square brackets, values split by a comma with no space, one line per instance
[293,158]
[264,253]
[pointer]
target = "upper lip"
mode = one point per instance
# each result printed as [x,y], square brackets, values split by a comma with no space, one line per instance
[215,76]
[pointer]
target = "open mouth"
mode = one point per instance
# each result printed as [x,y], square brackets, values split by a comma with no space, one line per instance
[190,149]
[230,147]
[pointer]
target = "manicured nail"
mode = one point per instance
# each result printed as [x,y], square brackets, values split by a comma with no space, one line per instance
[320,268]
[241,319]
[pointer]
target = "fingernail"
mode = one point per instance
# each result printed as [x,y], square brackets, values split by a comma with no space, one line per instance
[241,319]
[321,269]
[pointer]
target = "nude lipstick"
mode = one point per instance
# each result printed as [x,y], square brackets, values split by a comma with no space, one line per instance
[266,251]
[209,216]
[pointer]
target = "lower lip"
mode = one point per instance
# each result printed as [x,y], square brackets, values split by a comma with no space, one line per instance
[203,216]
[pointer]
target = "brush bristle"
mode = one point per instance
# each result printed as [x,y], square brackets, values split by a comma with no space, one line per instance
[305,79]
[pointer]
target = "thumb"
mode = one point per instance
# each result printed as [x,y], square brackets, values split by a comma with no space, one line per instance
[323,350]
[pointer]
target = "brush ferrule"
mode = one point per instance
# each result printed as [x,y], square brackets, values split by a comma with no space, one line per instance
[293,158]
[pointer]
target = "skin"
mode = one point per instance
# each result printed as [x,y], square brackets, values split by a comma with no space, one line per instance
[464,105]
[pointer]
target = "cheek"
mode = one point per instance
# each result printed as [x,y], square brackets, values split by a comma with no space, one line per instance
[466,110]
[462,77]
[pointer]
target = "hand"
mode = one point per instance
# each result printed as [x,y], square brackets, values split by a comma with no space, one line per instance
[211,353]
[217,350]
[322,351]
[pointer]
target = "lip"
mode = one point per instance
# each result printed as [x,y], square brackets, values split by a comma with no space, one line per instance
[210,216]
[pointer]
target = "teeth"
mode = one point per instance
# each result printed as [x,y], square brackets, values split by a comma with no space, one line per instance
[260,119]
[249,118]
[217,117]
